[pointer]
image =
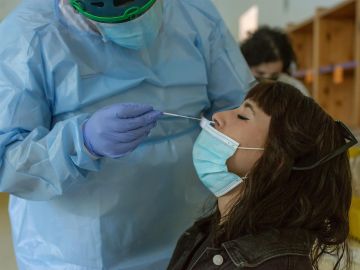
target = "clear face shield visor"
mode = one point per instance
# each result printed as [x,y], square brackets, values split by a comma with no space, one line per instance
[112,11]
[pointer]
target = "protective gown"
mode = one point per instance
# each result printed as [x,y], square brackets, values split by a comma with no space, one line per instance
[68,209]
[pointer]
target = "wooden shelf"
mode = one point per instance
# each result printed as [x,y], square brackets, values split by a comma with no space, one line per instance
[344,10]
[337,99]
[327,47]
[301,74]
[304,26]
[302,38]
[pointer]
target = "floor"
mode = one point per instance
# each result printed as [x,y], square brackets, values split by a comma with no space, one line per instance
[7,258]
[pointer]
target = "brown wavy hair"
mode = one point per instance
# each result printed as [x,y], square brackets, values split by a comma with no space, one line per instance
[277,197]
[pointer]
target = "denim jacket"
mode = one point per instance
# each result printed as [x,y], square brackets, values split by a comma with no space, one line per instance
[270,250]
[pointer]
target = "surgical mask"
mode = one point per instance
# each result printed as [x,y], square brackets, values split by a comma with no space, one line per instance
[138,33]
[211,151]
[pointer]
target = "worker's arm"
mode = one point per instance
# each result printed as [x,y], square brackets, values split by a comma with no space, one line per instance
[37,161]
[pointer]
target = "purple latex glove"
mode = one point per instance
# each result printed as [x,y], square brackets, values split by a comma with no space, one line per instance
[118,129]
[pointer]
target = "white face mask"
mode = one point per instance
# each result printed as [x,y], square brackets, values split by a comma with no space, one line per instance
[138,33]
[211,151]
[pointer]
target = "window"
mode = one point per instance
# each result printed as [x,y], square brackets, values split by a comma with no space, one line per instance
[248,22]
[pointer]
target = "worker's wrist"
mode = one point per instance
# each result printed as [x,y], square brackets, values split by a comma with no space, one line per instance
[88,150]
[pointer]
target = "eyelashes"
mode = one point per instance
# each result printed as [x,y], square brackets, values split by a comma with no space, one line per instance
[239,116]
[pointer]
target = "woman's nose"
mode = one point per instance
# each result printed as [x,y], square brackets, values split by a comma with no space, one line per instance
[219,119]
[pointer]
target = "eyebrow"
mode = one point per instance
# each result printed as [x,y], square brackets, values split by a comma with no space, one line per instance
[249,106]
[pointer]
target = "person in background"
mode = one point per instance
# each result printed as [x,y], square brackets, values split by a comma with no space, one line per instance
[283,186]
[269,53]
[85,151]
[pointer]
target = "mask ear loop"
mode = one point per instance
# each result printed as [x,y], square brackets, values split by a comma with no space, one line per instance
[246,176]
[251,148]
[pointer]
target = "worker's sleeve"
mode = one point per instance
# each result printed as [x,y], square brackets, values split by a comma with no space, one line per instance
[37,161]
[229,75]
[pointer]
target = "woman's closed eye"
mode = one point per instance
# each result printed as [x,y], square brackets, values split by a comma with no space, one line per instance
[241,117]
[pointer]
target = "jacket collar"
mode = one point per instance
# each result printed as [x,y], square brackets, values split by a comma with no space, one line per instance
[253,249]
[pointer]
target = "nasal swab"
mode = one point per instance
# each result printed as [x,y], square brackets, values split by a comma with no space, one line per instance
[183,116]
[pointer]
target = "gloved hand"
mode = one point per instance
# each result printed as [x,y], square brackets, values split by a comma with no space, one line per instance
[118,129]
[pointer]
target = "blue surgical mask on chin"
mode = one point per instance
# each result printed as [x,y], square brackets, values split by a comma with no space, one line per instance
[210,152]
[135,34]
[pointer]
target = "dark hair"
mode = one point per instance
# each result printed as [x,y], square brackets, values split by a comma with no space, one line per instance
[277,197]
[268,45]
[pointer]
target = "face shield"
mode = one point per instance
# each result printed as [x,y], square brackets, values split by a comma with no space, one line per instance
[112,11]
[132,24]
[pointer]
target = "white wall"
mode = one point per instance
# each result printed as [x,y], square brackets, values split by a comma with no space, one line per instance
[271,12]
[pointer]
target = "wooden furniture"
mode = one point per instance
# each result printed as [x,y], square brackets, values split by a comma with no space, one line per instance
[327,47]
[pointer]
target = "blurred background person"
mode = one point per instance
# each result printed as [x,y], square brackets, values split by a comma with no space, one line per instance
[269,53]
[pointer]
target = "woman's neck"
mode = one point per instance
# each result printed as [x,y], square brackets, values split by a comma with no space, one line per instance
[226,202]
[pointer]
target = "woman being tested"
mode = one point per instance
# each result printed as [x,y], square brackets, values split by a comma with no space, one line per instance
[280,170]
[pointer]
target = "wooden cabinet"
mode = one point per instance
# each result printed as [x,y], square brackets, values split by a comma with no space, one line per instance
[302,38]
[328,52]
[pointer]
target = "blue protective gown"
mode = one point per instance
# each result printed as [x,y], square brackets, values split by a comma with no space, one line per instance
[69,210]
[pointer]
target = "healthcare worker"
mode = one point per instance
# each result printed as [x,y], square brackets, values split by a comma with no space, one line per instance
[98,177]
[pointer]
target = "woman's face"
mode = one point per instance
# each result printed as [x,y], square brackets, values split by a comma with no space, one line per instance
[249,126]
[270,70]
